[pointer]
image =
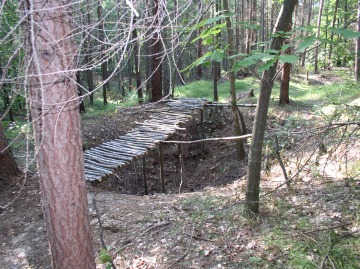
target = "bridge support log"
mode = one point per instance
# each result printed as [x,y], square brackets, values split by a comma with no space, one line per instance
[144,175]
[161,160]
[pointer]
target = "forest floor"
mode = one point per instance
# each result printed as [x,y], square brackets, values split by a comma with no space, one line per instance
[313,224]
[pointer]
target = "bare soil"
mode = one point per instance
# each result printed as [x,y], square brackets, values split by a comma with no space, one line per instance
[198,223]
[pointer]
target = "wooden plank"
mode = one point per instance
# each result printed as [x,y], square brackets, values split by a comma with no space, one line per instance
[121,150]
[120,156]
[134,141]
[93,173]
[98,169]
[132,145]
[101,164]
[113,155]
[92,178]
[105,160]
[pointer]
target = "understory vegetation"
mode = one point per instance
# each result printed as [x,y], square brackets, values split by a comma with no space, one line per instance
[311,222]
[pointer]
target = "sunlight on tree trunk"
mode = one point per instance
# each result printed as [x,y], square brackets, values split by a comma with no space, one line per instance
[316,52]
[357,48]
[51,57]
[240,150]
[255,154]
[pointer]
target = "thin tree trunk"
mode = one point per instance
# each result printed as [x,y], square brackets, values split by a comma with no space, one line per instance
[239,143]
[54,110]
[156,79]
[255,154]
[8,167]
[89,71]
[316,52]
[332,34]
[7,101]
[104,69]
[80,92]
[309,12]
[199,55]
[215,81]
[285,76]
[137,66]
[357,48]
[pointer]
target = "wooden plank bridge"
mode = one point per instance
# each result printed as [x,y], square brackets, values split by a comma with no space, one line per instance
[108,157]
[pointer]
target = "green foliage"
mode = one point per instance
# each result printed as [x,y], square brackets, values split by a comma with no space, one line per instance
[204,89]
[105,256]
[346,33]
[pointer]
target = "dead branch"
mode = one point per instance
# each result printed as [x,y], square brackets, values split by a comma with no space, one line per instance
[287,180]
[323,229]
[101,229]
[200,238]
[242,137]
[158,225]
[185,254]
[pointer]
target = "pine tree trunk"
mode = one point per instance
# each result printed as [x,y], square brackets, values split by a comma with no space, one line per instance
[89,71]
[137,66]
[240,150]
[316,52]
[8,167]
[156,79]
[285,76]
[255,154]
[104,68]
[357,48]
[332,34]
[54,110]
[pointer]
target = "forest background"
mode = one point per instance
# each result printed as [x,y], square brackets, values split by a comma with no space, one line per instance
[121,53]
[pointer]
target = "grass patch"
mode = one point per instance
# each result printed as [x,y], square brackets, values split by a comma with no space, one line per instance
[205,89]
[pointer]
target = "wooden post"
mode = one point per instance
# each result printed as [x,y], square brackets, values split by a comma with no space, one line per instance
[182,166]
[161,160]
[202,135]
[144,174]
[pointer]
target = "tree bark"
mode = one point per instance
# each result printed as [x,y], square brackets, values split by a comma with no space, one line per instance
[309,12]
[316,52]
[332,35]
[357,48]
[156,79]
[89,71]
[51,57]
[8,167]
[80,92]
[285,76]
[255,154]
[240,150]
[137,66]
[104,68]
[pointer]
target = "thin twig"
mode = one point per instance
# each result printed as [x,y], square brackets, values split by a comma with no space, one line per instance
[101,229]
[200,238]
[185,254]
[242,137]
[287,180]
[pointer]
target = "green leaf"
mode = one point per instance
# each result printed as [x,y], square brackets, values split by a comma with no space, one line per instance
[217,55]
[288,58]
[267,65]
[271,51]
[105,256]
[208,41]
[250,60]
[208,21]
[306,43]
[285,47]
[346,33]
[268,57]
[237,55]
